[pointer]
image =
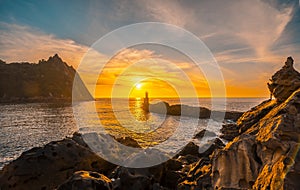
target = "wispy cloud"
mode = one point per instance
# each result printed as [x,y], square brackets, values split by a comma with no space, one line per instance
[241,34]
[170,12]
[23,43]
[237,22]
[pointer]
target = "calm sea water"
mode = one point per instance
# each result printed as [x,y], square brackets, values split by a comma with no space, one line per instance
[24,126]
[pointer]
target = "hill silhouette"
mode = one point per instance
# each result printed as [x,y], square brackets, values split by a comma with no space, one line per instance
[47,80]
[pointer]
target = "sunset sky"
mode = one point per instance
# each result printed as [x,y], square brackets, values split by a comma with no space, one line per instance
[250,39]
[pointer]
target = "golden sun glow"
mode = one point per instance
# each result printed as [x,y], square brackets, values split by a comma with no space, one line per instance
[125,75]
[138,86]
[155,88]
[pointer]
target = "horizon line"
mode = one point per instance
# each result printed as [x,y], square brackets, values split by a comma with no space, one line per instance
[184,97]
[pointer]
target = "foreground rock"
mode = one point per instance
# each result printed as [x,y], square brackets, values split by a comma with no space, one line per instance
[264,154]
[70,164]
[247,120]
[260,158]
[166,175]
[51,165]
[86,180]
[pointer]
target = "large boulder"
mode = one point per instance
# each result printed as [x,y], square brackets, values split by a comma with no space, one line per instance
[49,166]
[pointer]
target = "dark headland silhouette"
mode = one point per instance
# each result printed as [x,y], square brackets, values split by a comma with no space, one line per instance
[47,80]
[262,154]
[190,111]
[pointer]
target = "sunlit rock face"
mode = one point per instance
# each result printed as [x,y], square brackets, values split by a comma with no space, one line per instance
[265,154]
[248,119]
[285,81]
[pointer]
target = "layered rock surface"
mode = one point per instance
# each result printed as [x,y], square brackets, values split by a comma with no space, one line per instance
[264,153]
[285,81]
[262,156]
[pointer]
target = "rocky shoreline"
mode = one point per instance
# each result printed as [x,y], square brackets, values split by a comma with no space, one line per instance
[20,100]
[262,153]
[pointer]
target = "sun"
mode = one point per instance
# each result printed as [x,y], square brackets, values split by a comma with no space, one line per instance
[138,86]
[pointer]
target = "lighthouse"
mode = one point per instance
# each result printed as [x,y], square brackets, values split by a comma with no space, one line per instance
[146,103]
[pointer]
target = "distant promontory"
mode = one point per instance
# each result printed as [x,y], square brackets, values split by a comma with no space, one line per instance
[47,80]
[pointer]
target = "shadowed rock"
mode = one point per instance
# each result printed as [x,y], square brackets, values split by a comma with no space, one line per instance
[285,81]
[205,133]
[131,179]
[128,142]
[229,131]
[49,166]
[197,112]
[86,180]
[49,80]
[198,176]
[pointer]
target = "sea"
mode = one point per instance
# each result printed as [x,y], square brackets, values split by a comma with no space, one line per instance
[27,125]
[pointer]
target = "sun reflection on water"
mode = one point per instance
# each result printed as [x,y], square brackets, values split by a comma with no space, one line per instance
[137,110]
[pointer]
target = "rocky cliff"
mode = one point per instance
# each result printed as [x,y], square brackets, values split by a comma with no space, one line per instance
[264,154]
[50,79]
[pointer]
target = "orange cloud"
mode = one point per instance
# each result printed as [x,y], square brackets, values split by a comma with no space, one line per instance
[132,66]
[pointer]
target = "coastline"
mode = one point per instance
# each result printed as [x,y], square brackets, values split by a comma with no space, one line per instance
[181,172]
[262,153]
[23,100]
